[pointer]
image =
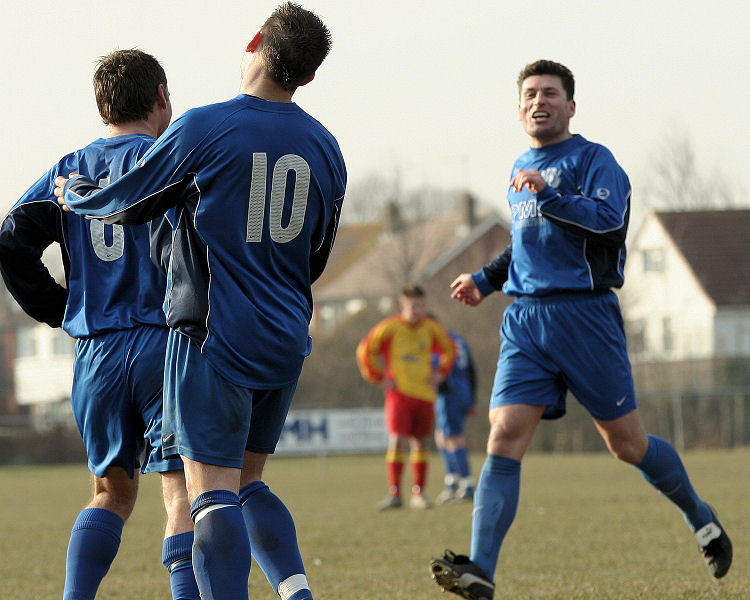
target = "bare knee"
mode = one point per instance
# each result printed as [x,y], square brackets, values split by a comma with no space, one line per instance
[115,492]
[630,450]
[625,437]
[512,428]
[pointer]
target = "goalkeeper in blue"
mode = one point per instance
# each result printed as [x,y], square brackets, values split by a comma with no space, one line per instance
[112,306]
[570,204]
[252,188]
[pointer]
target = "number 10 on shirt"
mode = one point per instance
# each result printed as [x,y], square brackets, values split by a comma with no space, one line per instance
[257,205]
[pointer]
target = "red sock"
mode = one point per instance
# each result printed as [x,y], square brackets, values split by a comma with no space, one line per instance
[419,470]
[394,462]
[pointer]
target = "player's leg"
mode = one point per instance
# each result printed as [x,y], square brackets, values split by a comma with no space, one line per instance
[221,549]
[496,498]
[456,445]
[658,461]
[495,503]
[662,467]
[450,477]
[266,516]
[177,548]
[418,458]
[95,537]
[448,457]
[99,398]
[455,442]
[206,420]
[397,425]
[273,536]
[148,345]
[594,358]
[525,387]
[422,421]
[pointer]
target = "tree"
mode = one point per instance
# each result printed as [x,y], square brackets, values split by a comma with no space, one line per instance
[676,183]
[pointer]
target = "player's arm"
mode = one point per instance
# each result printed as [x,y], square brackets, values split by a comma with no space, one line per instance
[162,178]
[472,288]
[160,246]
[24,234]
[600,211]
[493,275]
[444,347]
[369,352]
[319,256]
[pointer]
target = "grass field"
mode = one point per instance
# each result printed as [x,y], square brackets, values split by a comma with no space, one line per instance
[587,527]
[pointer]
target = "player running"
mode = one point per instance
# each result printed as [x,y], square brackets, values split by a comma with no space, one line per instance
[570,204]
[253,188]
[113,307]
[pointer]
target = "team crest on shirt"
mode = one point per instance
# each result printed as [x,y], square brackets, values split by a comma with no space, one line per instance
[552,176]
[602,193]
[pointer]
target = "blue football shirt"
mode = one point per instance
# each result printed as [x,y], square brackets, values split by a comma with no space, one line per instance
[570,237]
[112,283]
[253,190]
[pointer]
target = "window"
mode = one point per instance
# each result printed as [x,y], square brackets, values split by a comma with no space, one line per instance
[667,334]
[636,334]
[653,260]
[26,342]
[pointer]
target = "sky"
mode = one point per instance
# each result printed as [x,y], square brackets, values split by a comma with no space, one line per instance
[421,94]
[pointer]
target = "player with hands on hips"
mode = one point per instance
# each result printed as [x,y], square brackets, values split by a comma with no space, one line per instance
[113,307]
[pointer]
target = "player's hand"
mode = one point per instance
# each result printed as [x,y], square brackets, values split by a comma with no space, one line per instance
[465,290]
[435,379]
[530,178]
[60,182]
[387,383]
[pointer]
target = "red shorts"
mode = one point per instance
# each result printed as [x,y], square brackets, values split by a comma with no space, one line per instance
[405,415]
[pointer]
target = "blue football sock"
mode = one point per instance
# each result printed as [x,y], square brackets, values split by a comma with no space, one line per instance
[221,549]
[177,557]
[663,469]
[462,462]
[273,539]
[495,504]
[94,541]
[446,456]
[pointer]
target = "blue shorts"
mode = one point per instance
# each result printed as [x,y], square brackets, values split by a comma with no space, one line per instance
[573,342]
[451,410]
[117,399]
[211,420]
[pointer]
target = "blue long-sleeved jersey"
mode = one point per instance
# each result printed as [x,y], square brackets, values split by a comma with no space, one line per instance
[461,383]
[253,191]
[570,236]
[112,283]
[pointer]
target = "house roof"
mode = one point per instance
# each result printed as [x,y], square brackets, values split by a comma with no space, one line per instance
[368,261]
[715,244]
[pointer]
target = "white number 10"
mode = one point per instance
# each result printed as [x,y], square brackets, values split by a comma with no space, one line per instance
[256,209]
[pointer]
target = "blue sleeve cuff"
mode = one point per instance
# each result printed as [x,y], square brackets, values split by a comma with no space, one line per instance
[480,280]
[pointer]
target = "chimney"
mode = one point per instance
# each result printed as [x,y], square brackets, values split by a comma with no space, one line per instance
[392,217]
[468,212]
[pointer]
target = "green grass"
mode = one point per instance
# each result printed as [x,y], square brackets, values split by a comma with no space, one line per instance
[587,528]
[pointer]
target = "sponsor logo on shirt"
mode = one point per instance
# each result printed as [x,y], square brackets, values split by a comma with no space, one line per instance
[552,176]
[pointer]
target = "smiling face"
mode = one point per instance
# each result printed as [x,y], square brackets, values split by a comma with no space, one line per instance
[545,110]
